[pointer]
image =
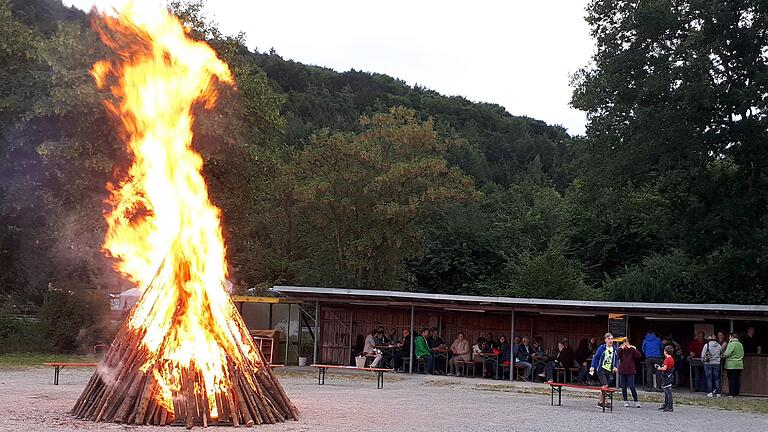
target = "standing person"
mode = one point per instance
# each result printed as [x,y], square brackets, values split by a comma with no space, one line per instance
[667,372]
[460,351]
[722,340]
[605,362]
[749,342]
[369,348]
[734,363]
[421,347]
[628,358]
[652,349]
[710,356]
[694,357]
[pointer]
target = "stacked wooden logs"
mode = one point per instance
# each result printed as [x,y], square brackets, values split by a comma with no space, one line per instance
[119,391]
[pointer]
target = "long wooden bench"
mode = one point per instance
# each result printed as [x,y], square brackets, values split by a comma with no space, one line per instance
[58,366]
[321,368]
[606,391]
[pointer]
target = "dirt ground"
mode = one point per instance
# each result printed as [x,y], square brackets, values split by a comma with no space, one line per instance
[30,402]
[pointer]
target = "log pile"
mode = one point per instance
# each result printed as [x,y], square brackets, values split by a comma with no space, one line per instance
[119,391]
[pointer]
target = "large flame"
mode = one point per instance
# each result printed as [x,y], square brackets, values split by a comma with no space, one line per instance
[163,229]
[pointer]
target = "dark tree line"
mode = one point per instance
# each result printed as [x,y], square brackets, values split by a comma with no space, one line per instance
[356,179]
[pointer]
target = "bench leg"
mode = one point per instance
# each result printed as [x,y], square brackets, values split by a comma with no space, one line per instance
[379,380]
[612,401]
[559,396]
[56,375]
[552,395]
[320,376]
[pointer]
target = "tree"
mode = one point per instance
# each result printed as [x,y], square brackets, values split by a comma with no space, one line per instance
[363,197]
[677,117]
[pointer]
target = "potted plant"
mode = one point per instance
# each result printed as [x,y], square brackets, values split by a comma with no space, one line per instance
[306,348]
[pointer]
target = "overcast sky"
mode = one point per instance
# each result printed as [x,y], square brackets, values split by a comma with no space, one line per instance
[516,53]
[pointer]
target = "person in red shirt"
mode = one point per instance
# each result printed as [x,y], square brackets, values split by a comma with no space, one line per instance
[697,368]
[667,370]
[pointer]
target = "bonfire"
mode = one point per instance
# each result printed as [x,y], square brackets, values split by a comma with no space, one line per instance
[183,355]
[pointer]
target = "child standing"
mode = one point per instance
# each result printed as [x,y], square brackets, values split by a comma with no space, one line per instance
[667,370]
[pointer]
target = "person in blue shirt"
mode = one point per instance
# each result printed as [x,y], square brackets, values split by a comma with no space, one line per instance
[652,350]
[605,364]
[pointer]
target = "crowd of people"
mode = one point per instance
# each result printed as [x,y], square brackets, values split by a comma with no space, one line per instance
[590,363]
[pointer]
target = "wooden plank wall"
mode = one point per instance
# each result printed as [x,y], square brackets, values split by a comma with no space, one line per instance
[336,322]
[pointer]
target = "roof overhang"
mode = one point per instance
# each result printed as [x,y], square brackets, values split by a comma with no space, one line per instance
[363,297]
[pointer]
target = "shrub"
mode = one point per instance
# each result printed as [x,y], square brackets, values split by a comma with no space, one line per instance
[20,333]
[75,321]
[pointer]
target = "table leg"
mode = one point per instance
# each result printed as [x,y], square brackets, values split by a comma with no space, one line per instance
[604,395]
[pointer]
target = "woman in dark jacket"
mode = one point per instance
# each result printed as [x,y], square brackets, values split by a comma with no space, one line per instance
[563,359]
[502,347]
[628,358]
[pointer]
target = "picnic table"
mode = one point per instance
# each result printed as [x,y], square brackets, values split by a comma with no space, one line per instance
[442,352]
[321,368]
[606,391]
[490,356]
[388,352]
[58,366]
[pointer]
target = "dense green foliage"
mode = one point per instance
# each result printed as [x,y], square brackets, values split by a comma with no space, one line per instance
[356,179]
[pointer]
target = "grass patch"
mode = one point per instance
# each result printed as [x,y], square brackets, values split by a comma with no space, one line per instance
[20,360]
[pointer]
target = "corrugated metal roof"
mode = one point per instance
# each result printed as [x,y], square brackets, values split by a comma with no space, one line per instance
[425,298]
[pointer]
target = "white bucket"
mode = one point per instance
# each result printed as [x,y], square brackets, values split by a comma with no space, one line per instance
[302,361]
[360,362]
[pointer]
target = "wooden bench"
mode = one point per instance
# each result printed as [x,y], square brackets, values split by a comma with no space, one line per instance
[321,368]
[59,366]
[606,391]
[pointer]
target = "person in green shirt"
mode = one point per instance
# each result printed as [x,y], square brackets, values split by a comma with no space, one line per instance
[422,349]
[734,363]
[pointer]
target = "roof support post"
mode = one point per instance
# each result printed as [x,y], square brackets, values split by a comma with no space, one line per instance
[731,326]
[287,335]
[317,332]
[511,350]
[412,356]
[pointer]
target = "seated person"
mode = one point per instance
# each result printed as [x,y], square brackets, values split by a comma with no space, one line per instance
[503,350]
[477,349]
[460,351]
[491,341]
[421,346]
[539,357]
[563,360]
[436,341]
[368,349]
[380,338]
[524,357]
[393,339]
[403,351]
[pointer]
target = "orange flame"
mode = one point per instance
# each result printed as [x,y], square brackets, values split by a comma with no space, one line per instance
[162,228]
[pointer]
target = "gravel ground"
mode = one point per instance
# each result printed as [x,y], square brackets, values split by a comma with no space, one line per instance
[29,402]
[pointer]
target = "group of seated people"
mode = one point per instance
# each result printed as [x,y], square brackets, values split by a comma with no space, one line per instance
[494,355]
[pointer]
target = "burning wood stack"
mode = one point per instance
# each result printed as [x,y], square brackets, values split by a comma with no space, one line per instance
[183,355]
[120,391]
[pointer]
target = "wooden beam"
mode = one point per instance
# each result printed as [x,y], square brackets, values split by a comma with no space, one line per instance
[270,300]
